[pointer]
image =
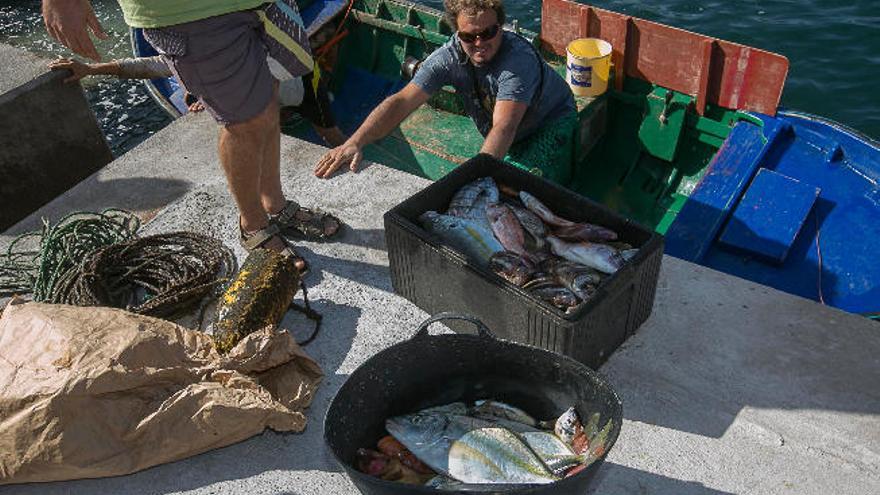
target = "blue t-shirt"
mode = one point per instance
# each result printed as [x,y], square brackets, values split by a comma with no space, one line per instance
[514,74]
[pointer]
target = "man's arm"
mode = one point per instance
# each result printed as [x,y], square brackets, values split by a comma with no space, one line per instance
[381,121]
[80,70]
[68,21]
[127,68]
[505,120]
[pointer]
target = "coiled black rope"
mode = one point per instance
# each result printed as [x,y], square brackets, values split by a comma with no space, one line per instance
[161,275]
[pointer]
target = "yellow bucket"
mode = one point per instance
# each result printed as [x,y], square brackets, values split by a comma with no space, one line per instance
[589,62]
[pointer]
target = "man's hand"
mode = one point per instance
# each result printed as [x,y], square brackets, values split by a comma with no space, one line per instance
[348,152]
[68,22]
[79,69]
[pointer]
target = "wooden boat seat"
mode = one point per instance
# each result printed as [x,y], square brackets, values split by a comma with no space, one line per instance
[695,228]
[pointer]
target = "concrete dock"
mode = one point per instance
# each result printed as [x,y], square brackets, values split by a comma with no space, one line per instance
[49,138]
[729,387]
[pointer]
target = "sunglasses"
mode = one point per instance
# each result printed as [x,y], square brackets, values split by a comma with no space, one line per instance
[485,35]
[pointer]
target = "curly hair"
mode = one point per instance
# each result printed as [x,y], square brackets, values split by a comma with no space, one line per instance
[471,7]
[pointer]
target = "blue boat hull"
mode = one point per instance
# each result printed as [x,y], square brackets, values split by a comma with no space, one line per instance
[823,248]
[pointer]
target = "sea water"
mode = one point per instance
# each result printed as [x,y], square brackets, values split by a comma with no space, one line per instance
[833,49]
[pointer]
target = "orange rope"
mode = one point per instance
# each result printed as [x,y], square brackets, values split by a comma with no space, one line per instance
[320,52]
[344,18]
[337,36]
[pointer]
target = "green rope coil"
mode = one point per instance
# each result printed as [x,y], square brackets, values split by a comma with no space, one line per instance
[96,259]
[61,249]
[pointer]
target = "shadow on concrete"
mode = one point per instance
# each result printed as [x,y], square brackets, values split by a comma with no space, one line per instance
[368,238]
[365,273]
[712,356]
[137,193]
[614,478]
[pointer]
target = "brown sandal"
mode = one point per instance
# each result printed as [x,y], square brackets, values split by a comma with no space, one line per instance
[258,239]
[307,223]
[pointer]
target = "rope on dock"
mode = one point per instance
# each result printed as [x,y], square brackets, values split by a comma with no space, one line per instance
[95,259]
[161,275]
[59,249]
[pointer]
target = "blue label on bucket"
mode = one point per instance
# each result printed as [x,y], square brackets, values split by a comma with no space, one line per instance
[580,75]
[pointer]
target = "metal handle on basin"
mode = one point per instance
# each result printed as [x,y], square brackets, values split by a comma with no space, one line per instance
[482,330]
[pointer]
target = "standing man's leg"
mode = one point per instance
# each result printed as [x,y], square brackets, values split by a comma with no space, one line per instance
[251,159]
[223,60]
[271,194]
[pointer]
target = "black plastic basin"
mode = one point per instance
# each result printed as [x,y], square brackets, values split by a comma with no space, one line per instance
[430,370]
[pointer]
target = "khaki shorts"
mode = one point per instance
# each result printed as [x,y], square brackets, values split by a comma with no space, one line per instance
[222,60]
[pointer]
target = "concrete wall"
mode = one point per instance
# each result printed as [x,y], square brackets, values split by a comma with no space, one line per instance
[49,137]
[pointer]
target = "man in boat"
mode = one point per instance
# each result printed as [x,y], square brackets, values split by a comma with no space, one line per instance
[218,49]
[312,104]
[523,108]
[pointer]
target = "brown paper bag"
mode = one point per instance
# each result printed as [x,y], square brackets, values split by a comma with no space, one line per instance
[90,392]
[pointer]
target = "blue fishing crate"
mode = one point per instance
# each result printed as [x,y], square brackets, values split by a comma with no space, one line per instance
[438,278]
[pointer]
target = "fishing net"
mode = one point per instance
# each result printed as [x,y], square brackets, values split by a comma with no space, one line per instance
[548,151]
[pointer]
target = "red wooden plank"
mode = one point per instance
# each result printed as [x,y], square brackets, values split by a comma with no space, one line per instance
[705,72]
[618,57]
[734,76]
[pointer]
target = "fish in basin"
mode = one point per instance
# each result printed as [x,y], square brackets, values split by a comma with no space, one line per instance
[507,228]
[468,449]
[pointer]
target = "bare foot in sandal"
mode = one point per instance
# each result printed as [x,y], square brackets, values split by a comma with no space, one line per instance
[307,223]
[269,238]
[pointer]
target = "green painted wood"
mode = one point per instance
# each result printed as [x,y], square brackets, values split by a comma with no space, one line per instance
[626,159]
[661,128]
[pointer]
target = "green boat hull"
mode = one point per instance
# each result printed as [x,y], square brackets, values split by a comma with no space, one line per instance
[624,156]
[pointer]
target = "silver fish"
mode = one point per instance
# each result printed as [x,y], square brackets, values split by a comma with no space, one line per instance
[540,281]
[466,236]
[536,206]
[599,256]
[530,222]
[472,199]
[470,450]
[459,408]
[506,228]
[553,452]
[629,254]
[493,409]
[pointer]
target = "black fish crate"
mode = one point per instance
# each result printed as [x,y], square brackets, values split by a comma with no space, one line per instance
[436,278]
